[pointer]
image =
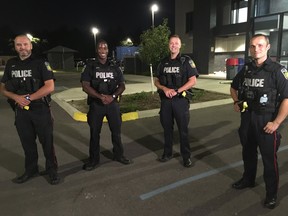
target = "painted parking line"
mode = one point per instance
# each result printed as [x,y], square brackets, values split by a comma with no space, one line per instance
[194,178]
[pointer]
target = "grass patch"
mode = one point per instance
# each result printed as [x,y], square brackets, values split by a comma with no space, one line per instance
[147,100]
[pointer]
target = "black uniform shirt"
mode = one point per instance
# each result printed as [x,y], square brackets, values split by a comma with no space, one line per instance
[30,68]
[277,78]
[181,64]
[102,72]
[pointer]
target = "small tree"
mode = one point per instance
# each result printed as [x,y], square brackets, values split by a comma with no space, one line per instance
[154,44]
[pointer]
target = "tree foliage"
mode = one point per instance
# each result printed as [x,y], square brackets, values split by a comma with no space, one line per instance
[154,44]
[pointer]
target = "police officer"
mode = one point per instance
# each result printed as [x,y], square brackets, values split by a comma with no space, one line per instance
[260,92]
[27,83]
[175,75]
[103,82]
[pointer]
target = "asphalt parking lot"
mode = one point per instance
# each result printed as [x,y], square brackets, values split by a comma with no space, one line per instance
[146,187]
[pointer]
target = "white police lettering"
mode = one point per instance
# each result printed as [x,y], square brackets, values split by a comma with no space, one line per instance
[171,69]
[254,82]
[104,75]
[21,73]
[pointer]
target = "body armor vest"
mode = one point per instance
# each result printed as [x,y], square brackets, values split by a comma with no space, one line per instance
[258,89]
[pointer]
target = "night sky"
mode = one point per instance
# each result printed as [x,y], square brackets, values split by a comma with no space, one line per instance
[69,23]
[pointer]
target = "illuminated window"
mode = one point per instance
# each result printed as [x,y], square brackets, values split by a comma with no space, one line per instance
[239,10]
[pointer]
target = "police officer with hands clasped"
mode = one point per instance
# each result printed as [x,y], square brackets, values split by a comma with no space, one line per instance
[27,83]
[176,74]
[260,94]
[103,82]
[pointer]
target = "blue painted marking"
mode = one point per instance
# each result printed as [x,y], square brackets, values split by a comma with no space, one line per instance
[194,178]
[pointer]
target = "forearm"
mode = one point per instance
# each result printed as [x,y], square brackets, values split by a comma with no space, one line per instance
[120,89]
[234,94]
[158,85]
[45,90]
[283,112]
[188,85]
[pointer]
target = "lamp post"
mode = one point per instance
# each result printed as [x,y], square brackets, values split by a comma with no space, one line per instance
[154,8]
[95,32]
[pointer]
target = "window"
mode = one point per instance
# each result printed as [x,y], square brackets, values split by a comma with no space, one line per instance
[189,22]
[239,10]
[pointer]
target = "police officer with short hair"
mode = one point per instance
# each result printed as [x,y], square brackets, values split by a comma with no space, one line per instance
[103,82]
[175,75]
[260,93]
[27,83]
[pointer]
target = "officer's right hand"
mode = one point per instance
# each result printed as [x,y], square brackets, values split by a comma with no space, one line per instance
[236,107]
[170,92]
[21,100]
[106,99]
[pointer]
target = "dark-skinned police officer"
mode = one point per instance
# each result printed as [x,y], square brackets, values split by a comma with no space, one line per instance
[27,83]
[103,82]
[260,93]
[175,75]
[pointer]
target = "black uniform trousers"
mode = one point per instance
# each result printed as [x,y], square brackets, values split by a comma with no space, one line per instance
[176,108]
[252,135]
[95,117]
[33,123]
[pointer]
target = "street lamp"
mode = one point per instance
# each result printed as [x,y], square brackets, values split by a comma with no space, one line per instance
[29,36]
[154,8]
[95,32]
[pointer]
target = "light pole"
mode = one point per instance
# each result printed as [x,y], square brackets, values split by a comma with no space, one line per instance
[154,8]
[95,32]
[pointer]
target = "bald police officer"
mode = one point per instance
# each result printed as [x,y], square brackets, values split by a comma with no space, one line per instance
[27,83]
[175,75]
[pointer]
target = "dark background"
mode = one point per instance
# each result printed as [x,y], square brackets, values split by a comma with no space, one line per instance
[69,23]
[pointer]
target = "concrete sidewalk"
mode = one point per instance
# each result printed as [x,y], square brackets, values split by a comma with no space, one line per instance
[209,82]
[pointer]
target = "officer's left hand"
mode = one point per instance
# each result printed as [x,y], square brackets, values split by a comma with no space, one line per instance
[170,93]
[107,99]
[271,127]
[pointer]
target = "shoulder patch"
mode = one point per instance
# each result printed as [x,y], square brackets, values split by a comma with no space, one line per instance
[48,66]
[285,72]
[191,62]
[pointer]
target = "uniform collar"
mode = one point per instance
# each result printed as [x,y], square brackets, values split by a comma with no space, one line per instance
[177,58]
[266,62]
[27,59]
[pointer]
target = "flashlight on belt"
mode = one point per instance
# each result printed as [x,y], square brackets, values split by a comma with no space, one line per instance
[242,105]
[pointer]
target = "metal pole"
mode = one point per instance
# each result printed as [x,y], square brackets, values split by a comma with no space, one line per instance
[152,83]
[152,18]
[95,44]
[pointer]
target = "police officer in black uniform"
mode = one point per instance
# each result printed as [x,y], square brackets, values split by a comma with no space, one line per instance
[175,75]
[103,82]
[27,83]
[260,93]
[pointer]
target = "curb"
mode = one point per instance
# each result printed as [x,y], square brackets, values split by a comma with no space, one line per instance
[82,117]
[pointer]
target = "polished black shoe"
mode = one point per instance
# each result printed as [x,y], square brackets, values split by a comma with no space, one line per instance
[270,202]
[123,160]
[91,165]
[165,158]
[25,177]
[187,162]
[241,184]
[54,177]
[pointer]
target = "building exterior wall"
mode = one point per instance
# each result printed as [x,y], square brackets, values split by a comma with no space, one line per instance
[182,7]
[215,39]
[278,6]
